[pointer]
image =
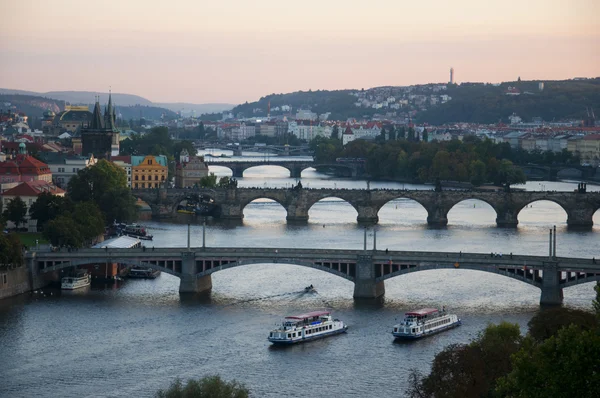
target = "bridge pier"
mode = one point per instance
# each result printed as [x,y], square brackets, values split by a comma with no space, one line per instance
[580,218]
[231,211]
[367,215]
[238,170]
[507,219]
[552,293]
[437,217]
[189,282]
[296,214]
[365,285]
[295,172]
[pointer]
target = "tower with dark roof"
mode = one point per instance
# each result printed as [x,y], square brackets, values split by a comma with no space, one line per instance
[101,136]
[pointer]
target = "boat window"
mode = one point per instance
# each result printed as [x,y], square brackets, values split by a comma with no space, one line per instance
[289,336]
[330,326]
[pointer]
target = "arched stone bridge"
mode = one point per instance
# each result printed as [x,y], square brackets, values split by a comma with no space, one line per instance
[367,269]
[237,167]
[580,207]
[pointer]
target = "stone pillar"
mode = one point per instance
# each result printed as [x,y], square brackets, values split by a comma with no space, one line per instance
[552,293]
[507,219]
[297,214]
[231,211]
[367,215]
[189,282]
[581,217]
[437,216]
[296,171]
[365,285]
[238,170]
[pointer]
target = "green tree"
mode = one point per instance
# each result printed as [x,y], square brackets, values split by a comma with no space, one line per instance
[89,219]
[11,251]
[509,174]
[335,133]
[209,181]
[425,135]
[16,211]
[224,182]
[478,172]
[548,322]
[596,302]
[47,207]
[63,231]
[469,370]
[106,185]
[207,387]
[565,365]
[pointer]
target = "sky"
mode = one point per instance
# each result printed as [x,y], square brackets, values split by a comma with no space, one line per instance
[233,51]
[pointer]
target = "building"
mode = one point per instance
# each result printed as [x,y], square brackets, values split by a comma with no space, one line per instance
[589,149]
[268,129]
[29,192]
[348,136]
[100,136]
[71,119]
[148,171]
[190,171]
[22,167]
[451,76]
[64,166]
[123,162]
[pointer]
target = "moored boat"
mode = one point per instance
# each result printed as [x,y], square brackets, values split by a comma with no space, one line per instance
[425,322]
[305,327]
[134,231]
[143,273]
[79,280]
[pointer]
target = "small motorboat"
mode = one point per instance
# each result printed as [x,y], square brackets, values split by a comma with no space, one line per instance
[309,289]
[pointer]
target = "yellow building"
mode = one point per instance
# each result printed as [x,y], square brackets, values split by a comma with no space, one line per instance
[148,171]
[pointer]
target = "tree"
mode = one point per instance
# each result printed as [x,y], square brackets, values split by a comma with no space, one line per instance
[548,322]
[425,135]
[335,133]
[207,387]
[596,302]
[469,370]
[209,181]
[16,211]
[478,172]
[63,231]
[106,185]
[224,182]
[565,365]
[47,207]
[11,252]
[509,174]
[89,219]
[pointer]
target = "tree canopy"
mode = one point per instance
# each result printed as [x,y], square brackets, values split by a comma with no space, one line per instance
[16,211]
[207,387]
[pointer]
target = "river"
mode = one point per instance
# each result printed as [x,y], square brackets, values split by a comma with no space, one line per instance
[133,339]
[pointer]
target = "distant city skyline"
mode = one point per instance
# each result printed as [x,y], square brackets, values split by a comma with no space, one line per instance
[236,51]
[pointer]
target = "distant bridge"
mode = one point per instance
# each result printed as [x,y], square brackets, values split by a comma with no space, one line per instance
[280,150]
[368,269]
[238,167]
[580,207]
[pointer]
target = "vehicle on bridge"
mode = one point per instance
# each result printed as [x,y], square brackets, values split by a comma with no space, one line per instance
[424,322]
[305,327]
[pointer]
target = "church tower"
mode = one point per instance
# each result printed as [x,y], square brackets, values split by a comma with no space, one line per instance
[101,137]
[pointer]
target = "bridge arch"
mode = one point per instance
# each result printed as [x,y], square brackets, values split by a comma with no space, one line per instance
[270,200]
[348,275]
[400,206]
[518,274]
[280,168]
[341,204]
[480,214]
[542,205]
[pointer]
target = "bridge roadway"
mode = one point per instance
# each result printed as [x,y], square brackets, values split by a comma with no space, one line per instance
[367,269]
[580,207]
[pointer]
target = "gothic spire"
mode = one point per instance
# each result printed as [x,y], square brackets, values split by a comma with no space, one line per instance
[97,123]
[109,114]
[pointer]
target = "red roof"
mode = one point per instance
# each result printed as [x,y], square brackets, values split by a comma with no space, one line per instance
[308,315]
[422,312]
[592,137]
[124,159]
[33,188]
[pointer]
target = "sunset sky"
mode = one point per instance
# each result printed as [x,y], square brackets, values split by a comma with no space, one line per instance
[239,50]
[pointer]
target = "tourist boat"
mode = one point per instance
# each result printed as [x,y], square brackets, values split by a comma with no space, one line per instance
[135,231]
[306,327]
[424,322]
[143,273]
[79,280]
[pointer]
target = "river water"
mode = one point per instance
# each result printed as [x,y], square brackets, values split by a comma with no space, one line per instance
[132,339]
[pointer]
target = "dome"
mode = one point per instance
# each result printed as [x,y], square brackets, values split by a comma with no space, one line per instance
[22,145]
[49,114]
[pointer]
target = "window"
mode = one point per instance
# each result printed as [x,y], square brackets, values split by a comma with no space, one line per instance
[136,178]
[162,178]
[143,178]
[155,178]
[150,161]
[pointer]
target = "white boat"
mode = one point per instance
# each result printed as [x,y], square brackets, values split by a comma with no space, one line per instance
[143,273]
[79,280]
[306,327]
[425,322]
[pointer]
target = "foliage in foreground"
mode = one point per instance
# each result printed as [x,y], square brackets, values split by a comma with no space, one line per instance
[207,387]
[559,357]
